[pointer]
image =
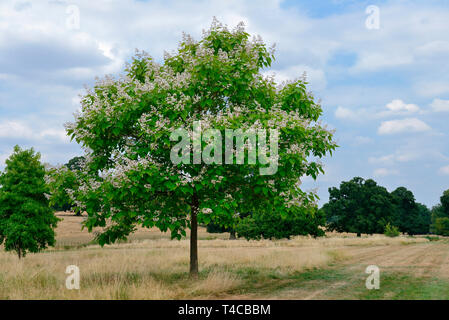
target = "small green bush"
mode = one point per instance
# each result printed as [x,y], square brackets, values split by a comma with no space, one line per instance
[272,225]
[442,226]
[391,231]
[215,228]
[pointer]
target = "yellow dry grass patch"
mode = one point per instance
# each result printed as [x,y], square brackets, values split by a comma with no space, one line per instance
[148,270]
[153,267]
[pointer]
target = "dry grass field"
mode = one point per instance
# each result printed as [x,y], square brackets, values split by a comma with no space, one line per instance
[151,266]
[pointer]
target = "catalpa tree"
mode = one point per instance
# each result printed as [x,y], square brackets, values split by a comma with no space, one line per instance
[148,163]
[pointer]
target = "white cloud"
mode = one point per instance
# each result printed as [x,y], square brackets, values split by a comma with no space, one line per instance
[372,61]
[398,105]
[439,105]
[60,135]
[394,108]
[433,49]
[361,140]
[388,159]
[349,114]
[344,113]
[407,55]
[383,172]
[399,156]
[444,170]
[405,125]
[430,88]
[14,129]
[20,130]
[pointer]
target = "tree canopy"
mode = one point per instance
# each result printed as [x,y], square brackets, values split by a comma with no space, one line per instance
[26,221]
[262,225]
[63,182]
[126,126]
[444,199]
[408,215]
[362,206]
[440,216]
[359,206]
[75,164]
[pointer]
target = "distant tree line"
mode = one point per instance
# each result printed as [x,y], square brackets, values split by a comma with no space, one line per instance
[440,216]
[257,225]
[357,206]
[29,192]
[363,206]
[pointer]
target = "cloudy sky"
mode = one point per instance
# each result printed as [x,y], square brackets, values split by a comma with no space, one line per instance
[381,69]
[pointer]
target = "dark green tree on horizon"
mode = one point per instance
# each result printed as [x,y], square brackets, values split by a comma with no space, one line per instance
[424,218]
[358,206]
[362,206]
[260,225]
[409,216]
[26,221]
[76,163]
[440,216]
[444,199]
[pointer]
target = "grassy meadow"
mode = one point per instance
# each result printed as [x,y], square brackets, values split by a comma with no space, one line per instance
[151,266]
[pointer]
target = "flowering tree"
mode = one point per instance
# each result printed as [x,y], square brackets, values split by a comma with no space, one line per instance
[127,126]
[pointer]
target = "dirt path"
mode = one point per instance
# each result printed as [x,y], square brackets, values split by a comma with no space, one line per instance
[427,260]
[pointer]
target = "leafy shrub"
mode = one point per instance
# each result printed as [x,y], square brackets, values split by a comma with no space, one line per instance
[442,226]
[391,231]
[300,221]
[215,228]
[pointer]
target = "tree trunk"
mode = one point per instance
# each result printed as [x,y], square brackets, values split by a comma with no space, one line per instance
[19,253]
[194,237]
[358,234]
[232,235]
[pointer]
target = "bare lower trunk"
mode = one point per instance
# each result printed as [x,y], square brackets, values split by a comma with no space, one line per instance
[194,237]
[232,235]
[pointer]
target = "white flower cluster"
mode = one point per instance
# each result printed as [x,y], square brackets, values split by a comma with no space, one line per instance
[297,149]
[118,177]
[206,210]
[218,180]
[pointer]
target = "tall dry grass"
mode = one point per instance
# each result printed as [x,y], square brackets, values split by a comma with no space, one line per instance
[157,268]
[149,270]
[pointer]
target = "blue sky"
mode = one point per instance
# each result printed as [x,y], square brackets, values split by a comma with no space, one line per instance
[385,90]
